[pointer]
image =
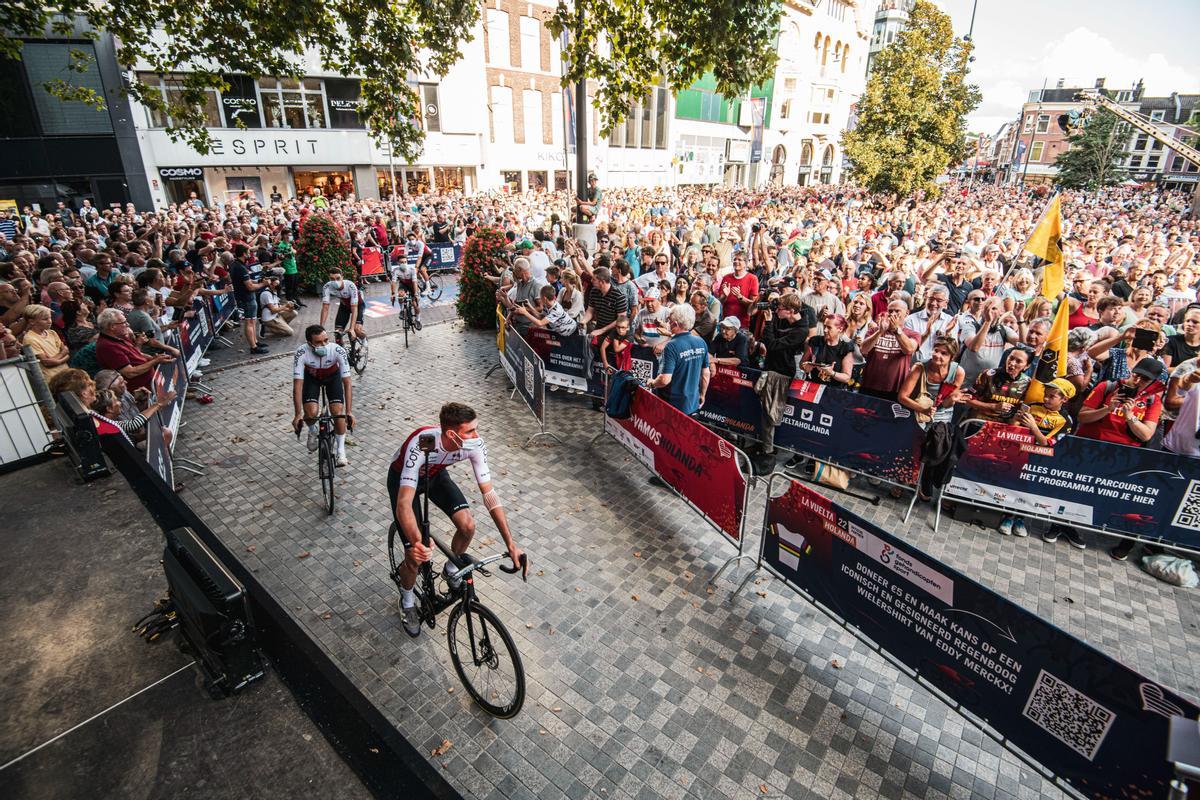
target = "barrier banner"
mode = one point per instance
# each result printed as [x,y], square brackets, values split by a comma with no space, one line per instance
[196,334]
[223,308]
[443,256]
[1152,494]
[1088,719]
[158,451]
[526,372]
[570,362]
[693,460]
[854,430]
[372,261]
[162,427]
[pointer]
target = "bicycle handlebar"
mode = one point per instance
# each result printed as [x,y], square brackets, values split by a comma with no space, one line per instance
[524,568]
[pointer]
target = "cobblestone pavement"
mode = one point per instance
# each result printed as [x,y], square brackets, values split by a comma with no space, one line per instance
[642,683]
[379,319]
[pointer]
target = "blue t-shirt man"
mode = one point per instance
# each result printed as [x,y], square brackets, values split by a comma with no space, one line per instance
[685,359]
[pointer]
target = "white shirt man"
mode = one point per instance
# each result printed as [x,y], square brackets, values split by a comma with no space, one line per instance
[926,324]
[538,263]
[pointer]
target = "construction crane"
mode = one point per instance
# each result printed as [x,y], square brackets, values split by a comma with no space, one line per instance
[1146,126]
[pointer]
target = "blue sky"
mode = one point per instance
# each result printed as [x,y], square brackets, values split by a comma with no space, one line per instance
[1019,43]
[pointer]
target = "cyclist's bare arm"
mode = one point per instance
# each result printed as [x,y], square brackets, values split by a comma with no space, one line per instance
[492,501]
[297,404]
[324,312]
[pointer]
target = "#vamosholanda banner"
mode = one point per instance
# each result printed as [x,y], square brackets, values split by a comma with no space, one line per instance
[696,462]
[1087,718]
[1136,491]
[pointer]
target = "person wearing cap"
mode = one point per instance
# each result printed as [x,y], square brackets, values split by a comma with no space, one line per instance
[731,346]
[587,207]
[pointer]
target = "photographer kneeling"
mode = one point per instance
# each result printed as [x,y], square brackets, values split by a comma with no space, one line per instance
[786,324]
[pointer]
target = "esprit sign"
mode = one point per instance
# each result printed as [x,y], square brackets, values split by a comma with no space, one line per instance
[263,148]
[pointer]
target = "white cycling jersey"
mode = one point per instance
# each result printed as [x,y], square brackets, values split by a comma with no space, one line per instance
[334,362]
[409,459]
[345,291]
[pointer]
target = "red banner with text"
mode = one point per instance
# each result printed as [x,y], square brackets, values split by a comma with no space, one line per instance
[693,460]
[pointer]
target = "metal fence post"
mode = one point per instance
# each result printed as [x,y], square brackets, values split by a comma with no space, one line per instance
[37,381]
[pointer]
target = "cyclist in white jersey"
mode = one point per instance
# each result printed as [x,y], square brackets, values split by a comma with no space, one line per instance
[409,264]
[456,438]
[350,300]
[319,365]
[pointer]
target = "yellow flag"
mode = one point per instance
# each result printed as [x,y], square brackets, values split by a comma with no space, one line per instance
[1043,242]
[1057,340]
[500,321]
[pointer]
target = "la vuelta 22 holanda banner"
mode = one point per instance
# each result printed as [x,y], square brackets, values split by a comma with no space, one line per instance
[1087,718]
[1137,491]
[696,462]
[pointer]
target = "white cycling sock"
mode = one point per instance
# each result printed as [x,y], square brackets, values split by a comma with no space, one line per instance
[408,598]
[312,426]
[340,440]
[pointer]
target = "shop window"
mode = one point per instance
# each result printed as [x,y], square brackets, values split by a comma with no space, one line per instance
[497,34]
[660,118]
[531,51]
[289,103]
[531,102]
[448,179]
[511,179]
[561,180]
[537,181]
[170,88]
[416,181]
[46,62]
[502,114]
[328,184]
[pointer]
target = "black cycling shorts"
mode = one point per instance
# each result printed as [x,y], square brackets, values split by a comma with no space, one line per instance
[443,493]
[310,392]
[343,315]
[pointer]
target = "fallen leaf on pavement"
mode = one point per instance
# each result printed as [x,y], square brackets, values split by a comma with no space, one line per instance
[442,748]
[836,663]
[305,554]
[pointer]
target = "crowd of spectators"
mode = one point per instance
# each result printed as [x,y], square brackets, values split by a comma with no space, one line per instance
[929,302]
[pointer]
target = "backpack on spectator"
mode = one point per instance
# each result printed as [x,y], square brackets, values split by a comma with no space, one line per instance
[621,386]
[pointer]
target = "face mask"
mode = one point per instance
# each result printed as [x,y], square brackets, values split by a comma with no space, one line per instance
[321,351]
[464,444]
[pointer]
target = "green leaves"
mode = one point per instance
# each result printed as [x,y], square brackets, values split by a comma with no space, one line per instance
[476,303]
[911,119]
[1095,155]
[628,46]
[387,42]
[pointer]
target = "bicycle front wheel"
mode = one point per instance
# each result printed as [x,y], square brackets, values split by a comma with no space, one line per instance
[486,660]
[326,466]
[433,288]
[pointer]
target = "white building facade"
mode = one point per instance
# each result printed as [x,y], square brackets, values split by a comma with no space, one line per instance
[499,121]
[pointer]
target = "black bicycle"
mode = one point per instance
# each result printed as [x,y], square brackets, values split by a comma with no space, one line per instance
[408,317]
[484,654]
[356,353]
[326,451]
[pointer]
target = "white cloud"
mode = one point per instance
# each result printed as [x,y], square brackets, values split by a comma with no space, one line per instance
[1080,57]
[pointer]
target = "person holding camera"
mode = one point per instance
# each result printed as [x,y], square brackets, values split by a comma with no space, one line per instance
[786,326]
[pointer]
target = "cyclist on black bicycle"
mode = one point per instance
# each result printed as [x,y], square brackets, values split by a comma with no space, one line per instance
[320,365]
[457,439]
[351,305]
[406,270]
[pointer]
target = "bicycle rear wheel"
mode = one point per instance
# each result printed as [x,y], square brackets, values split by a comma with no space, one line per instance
[325,468]
[360,349]
[486,659]
[433,288]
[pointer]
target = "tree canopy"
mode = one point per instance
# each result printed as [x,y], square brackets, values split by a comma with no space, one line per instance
[383,41]
[1097,149]
[912,116]
[627,46]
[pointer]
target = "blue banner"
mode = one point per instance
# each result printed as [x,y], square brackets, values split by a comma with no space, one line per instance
[223,308]
[1090,720]
[443,256]
[758,111]
[1134,491]
[196,333]
[572,362]
[853,430]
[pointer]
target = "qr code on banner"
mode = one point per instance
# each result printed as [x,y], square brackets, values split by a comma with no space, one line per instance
[643,370]
[1068,715]
[1188,513]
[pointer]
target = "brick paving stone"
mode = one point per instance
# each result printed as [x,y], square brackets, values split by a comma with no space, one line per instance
[679,693]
